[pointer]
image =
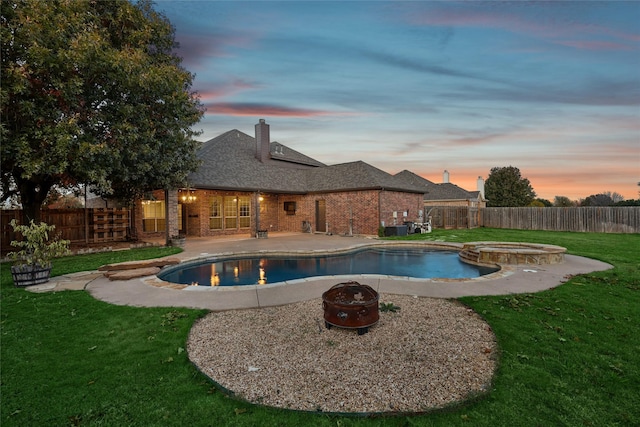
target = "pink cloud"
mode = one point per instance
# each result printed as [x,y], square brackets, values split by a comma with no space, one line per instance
[251,109]
[230,88]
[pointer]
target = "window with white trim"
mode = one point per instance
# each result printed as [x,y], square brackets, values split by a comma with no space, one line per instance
[244,211]
[153,218]
[230,212]
[215,213]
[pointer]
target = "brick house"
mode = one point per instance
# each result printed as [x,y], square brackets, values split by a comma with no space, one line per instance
[249,184]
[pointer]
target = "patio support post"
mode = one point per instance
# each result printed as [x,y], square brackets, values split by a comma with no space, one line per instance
[257,205]
[171,214]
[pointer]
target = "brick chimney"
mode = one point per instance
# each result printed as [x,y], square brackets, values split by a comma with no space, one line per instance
[262,141]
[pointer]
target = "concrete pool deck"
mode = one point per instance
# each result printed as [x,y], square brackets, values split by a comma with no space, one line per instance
[148,292]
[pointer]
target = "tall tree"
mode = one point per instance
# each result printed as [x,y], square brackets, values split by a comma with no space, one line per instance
[506,187]
[93,93]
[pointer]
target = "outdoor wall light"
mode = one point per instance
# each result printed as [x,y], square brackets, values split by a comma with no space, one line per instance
[187,195]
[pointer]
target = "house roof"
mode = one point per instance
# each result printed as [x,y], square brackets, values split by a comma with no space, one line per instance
[229,163]
[444,191]
[411,178]
[355,176]
[448,191]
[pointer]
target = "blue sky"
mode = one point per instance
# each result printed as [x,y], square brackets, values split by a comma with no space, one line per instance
[552,88]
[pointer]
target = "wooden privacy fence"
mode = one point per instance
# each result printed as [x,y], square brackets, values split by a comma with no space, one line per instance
[77,225]
[453,216]
[602,219]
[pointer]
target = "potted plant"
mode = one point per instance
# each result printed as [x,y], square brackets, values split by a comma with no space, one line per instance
[32,263]
[178,240]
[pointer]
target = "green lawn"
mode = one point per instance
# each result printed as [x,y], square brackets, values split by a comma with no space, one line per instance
[569,356]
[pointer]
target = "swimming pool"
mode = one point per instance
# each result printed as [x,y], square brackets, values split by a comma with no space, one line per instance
[405,262]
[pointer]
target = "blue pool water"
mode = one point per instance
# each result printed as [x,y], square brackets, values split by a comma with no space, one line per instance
[420,263]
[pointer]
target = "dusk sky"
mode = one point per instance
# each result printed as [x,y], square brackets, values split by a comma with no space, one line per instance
[552,88]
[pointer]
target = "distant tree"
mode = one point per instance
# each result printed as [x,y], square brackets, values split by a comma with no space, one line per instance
[541,203]
[563,202]
[63,198]
[92,93]
[66,201]
[598,200]
[506,187]
[616,197]
[630,202]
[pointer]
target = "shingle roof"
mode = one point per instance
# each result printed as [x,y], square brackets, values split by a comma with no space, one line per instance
[444,191]
[411,178]
[229,163]
[286,154]
[355,176]
[447,191]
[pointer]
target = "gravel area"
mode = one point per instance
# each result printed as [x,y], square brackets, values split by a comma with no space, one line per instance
[430,353]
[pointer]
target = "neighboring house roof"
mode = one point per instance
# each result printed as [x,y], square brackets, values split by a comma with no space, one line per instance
[448,191]
[475,194]
[229,163]
[433,192]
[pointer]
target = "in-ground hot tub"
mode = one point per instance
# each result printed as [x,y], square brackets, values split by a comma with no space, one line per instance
[512,253]
[351,305]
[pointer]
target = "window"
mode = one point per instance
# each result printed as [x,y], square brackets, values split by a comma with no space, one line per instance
[230,212]
[215,213]
[153,219]
[290,208]
[245,211]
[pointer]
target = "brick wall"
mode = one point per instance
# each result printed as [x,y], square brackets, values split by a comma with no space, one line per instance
[357,212]
[393,201]
[269,210]
[303,212]
[353,212]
